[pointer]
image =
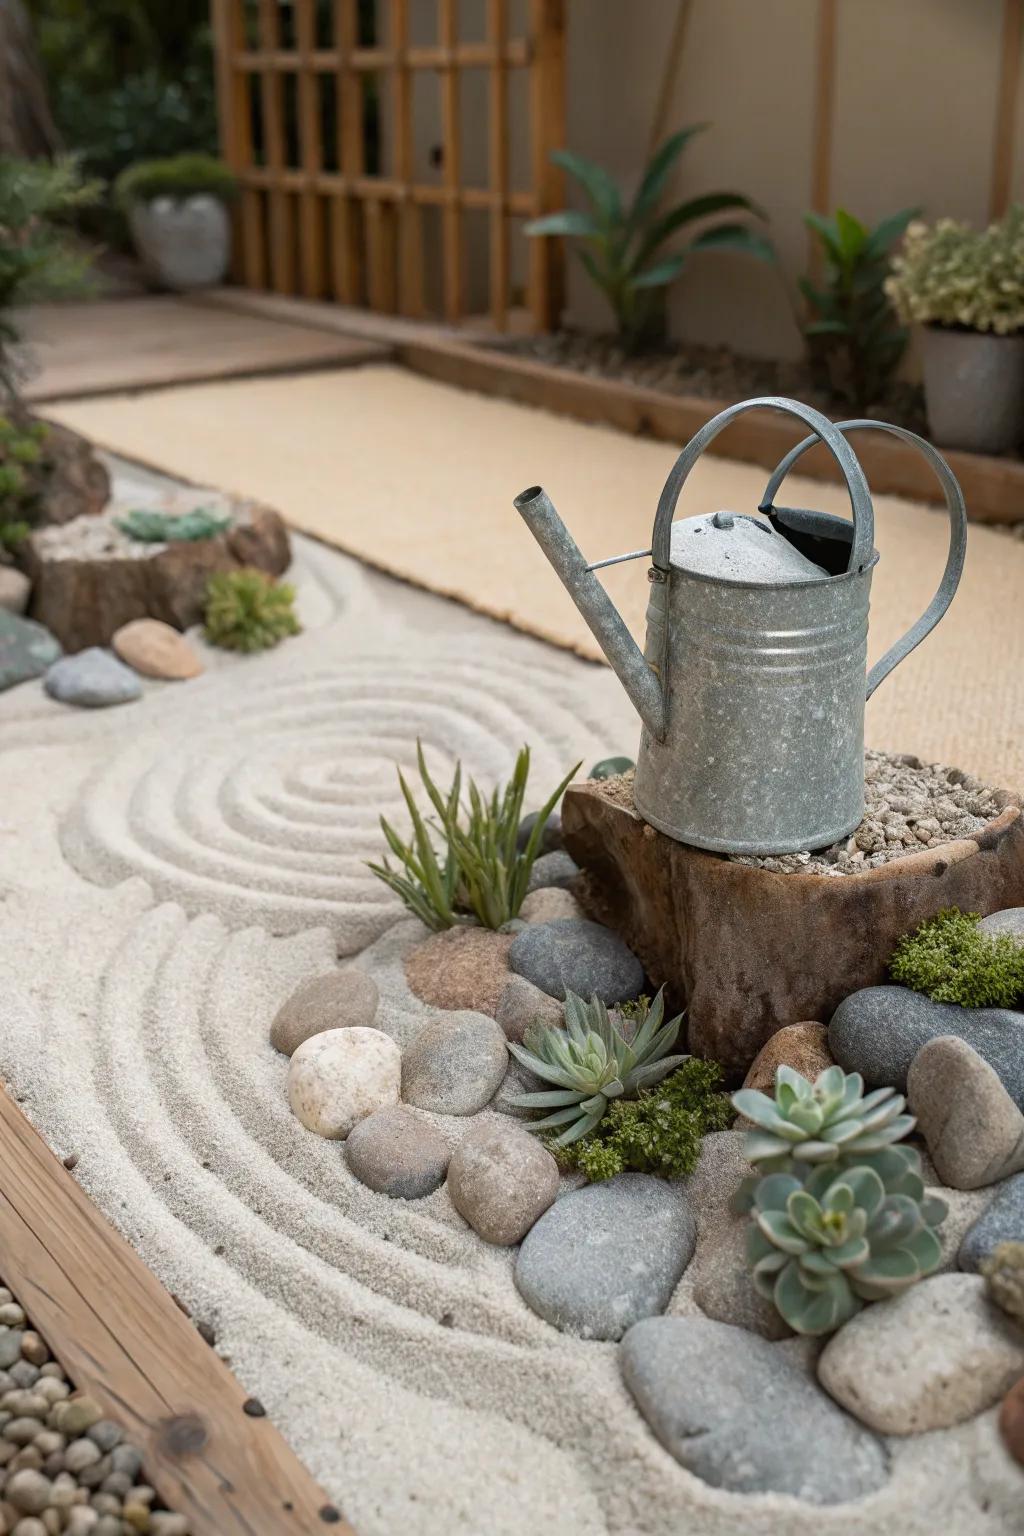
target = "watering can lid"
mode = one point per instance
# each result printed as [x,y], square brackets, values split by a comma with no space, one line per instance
[735,547]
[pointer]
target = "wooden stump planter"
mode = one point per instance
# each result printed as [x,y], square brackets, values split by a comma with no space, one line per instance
[89,578]
[749,951]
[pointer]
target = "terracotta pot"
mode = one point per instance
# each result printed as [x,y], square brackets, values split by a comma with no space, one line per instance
[974,389]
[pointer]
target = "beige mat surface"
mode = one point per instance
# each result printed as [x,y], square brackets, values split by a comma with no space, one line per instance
[418,478]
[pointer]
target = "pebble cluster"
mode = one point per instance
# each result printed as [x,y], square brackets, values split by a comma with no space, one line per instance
[909,805]
[65,1470]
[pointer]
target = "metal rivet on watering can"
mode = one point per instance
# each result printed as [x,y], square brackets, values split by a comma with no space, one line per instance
[752,683]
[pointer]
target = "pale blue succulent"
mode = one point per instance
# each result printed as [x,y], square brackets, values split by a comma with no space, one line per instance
[821,1247]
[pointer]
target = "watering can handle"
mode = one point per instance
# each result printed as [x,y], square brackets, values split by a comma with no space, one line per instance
[823,429]
[957,537]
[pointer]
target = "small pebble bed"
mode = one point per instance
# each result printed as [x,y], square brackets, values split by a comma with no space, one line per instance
[65,1470]
[909,805]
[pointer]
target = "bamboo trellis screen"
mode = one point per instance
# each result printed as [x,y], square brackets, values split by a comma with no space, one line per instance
[319,215]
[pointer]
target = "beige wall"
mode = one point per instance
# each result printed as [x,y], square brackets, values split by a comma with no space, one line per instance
[913,123]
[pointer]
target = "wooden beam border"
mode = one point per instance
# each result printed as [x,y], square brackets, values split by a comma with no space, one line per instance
[207,1448]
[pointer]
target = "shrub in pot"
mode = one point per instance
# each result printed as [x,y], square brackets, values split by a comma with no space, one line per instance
[177,214]
[622,242]
[965,288]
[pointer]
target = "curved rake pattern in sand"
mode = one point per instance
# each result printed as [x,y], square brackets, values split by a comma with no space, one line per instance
[146,1051]
[267,810]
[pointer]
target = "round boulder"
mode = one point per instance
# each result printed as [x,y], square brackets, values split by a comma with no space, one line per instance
[339,1077]
[156,649]
[396,1153]
[93,679]
[549,903]
[342,999]
[574,955]
[804,1047]
[455,1065]
[464,967]
[502,1180]
[522,1004]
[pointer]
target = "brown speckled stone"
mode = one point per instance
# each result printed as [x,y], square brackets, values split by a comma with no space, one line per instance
[460,968]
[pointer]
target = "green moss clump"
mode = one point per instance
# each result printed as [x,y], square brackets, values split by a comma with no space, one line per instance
[1004,1272]
[951,962]
[180,177]
[659,1131]
[247,610]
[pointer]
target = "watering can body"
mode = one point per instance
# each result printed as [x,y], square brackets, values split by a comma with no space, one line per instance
[753,679]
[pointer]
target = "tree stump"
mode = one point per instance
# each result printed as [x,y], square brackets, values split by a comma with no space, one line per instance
[748,951]
[89,578]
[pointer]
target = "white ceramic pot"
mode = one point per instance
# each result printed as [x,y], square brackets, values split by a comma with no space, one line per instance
[183,243]
[974,389]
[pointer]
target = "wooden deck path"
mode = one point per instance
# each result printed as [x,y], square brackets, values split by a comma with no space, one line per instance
[109,346]
[123,1340]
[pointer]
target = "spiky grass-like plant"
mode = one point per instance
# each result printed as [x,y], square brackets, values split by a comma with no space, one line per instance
[247,610]
[591,1063]
[465,864]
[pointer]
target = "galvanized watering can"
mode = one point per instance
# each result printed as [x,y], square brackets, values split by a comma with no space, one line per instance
[753,680]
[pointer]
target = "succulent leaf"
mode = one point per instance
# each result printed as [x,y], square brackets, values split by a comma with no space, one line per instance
[591,1060]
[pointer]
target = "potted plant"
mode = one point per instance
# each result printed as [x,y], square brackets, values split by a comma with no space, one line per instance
[854,341]
[622,242]
[965,288]
[177,214]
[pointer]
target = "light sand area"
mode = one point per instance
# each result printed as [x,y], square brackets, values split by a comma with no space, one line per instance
[418,478]
[169,871]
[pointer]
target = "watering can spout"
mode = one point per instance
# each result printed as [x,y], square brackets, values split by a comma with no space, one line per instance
[634,672]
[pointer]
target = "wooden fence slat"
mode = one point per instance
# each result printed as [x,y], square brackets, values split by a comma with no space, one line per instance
[451,218]
[410,221]
[311,230]
[547,126]
[122,1339]
[282,262]
[1006,108]
[345,221]
[236,146]
[824,114]
[371,250]
[498,156]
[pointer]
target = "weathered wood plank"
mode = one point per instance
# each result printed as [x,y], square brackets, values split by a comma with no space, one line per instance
[122,1339]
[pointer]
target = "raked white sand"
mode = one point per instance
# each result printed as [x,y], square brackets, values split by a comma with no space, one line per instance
[169,871]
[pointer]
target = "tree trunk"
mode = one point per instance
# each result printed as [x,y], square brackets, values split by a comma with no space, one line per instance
[27,129]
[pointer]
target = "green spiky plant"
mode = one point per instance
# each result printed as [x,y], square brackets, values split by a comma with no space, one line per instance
[840,1215]
[463,863]
[247,610]
[22,451]
[591,1063]
[150,526]
[821,1247]
[853,332]
[622,243]
[951,961]
[659,1132]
